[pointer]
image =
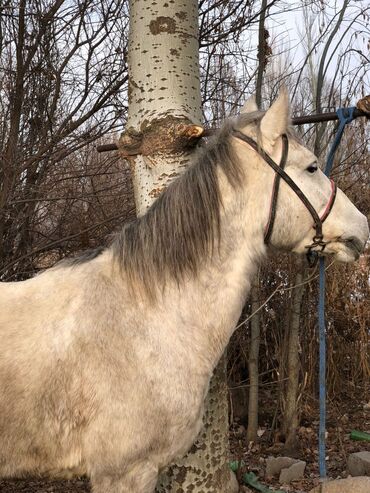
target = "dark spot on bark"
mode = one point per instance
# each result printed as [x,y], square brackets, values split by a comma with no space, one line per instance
[197,446]
[163,25]
[181,475]
[181,15]
[185,37]
[156,192]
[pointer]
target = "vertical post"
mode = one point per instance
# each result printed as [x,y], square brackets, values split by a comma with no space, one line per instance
[345,115]
[322,369]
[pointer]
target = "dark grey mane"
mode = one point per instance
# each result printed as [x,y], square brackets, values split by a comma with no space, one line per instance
[183,226]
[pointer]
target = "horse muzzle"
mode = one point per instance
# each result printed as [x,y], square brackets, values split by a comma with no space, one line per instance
[345,249]
[355,245]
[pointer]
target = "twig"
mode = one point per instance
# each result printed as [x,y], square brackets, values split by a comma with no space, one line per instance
[282,289]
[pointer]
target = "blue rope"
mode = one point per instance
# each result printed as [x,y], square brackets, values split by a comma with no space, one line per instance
[345,116]
[322,369]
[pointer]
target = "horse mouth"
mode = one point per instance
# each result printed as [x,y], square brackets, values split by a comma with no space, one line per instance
[355,245]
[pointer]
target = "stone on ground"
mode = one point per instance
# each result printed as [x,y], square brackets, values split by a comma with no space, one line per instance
[348,485]
[359,464]
[287,468]
[233,484]
[275,464]
[293,473]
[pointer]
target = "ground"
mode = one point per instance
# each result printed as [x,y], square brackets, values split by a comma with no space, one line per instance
[342,419]
[43,486]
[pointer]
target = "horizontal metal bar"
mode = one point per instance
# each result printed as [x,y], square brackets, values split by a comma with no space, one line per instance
[298,120]
[323,117]
[107,147]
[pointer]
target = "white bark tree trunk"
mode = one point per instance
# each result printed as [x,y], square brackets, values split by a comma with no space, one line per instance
[164,124]
[164,94]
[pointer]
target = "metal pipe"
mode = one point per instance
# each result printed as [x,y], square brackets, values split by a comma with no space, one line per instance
[107,147]
[323,117]
[298,120]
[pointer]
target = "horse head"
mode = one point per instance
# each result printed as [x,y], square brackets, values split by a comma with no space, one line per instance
[303,209]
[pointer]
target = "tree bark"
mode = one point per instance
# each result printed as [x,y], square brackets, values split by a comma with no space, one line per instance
[205,468]
[164,125]
[263,53]
[164,117]
[253,366]
[290,423]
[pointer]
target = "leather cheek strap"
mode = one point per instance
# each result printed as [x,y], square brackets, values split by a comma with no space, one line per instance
[275,191]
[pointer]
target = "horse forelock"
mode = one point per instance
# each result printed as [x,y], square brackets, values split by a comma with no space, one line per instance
[182,227]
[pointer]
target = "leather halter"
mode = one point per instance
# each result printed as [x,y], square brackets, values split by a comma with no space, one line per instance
[280,173]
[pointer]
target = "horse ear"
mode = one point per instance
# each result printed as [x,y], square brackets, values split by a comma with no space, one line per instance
[250,105]
[276,119]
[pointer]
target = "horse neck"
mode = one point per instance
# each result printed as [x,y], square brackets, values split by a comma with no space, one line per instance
[210,303]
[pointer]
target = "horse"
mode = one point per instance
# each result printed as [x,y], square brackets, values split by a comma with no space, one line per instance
[105,359]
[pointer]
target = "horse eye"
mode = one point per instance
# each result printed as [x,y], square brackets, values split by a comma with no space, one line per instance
[312,168]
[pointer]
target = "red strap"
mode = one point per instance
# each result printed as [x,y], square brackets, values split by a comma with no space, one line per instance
[330,203]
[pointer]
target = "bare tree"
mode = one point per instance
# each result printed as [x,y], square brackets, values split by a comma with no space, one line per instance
[61,71]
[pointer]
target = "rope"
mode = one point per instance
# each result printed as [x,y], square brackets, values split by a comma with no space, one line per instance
[345,115]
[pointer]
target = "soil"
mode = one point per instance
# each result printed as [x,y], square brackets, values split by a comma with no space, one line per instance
[37,485]
[342,419]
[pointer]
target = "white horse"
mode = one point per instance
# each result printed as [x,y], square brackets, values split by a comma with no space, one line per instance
[105,360]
